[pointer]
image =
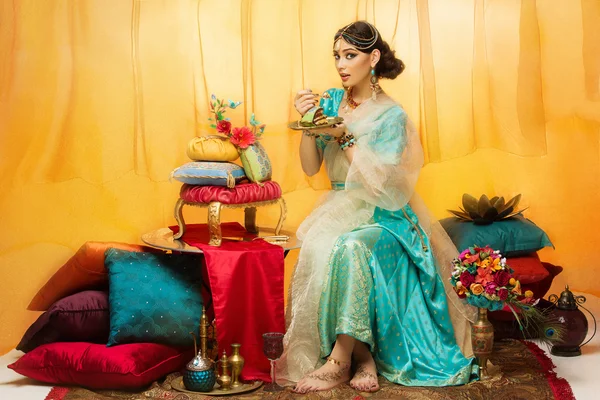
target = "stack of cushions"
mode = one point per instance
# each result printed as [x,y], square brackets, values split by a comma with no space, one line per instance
[116,316]
[213,171]
[518,239]
[212,163]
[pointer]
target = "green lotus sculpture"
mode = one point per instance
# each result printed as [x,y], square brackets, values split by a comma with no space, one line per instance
[485,210]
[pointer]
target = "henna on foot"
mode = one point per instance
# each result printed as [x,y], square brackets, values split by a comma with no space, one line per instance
[331,374]
[365,377]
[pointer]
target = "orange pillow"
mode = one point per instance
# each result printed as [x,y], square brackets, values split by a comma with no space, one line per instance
[84,271]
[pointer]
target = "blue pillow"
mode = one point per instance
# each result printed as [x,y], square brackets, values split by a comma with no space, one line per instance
[209,173]
[513,236]
[153,298]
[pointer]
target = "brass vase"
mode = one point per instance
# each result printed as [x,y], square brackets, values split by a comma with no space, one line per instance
[482,338]
[237,363]
[224,378]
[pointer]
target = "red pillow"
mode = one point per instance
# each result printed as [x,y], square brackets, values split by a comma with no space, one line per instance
[84,271]
[241,194]
[128,366]
[528,269]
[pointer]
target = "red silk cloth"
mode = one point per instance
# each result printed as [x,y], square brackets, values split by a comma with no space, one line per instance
[240,194]
[246,281]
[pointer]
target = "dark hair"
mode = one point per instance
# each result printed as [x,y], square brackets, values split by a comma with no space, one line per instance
[366,38]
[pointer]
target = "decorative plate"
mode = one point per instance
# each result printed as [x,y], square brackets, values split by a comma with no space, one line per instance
[330,121]
[178,385]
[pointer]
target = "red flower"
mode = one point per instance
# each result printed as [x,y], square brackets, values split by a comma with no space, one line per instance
[471,258]
[484,276]
[242,137]
[503,294]
[466,279]
[490,288]
[501,278]
[223,126]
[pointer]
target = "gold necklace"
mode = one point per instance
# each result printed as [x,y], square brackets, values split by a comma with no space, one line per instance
[350,100]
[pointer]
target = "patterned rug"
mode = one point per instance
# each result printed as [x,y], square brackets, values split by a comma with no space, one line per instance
[523,372]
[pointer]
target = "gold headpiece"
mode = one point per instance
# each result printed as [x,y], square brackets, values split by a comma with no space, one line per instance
[357,41]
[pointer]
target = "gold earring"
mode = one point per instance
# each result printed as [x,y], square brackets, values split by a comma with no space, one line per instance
[374,84]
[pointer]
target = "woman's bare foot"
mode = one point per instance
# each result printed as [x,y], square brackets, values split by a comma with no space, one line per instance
[331,374]
[365,377]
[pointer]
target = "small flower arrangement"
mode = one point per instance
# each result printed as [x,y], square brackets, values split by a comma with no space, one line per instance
[482,276]
[241,137]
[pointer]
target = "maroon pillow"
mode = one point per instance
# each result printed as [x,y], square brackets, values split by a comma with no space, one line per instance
[81,317]
[505,325]
[127,366]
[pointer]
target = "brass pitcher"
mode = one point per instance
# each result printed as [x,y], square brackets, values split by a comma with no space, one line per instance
[237,363]
[224,379]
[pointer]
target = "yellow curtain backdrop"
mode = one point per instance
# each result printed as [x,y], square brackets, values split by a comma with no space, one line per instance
[98,99]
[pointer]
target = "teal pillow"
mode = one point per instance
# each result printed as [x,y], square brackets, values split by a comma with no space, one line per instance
[513,236]
[210,173]
[153,298]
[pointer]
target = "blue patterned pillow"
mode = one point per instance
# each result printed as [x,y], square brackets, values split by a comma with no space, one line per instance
[153,298]
[209,173]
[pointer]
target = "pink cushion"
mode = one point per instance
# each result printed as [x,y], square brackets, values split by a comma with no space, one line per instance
[528,269]
[242,193]
[128,366]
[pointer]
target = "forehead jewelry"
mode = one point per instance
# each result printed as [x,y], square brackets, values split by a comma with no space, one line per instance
[357,41]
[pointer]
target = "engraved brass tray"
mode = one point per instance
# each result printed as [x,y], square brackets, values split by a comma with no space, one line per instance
[295,125]
[178,385]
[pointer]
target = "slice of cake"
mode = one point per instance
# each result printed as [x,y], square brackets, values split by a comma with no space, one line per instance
[314,117]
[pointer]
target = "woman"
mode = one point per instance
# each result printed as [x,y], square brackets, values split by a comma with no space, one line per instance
[367,291]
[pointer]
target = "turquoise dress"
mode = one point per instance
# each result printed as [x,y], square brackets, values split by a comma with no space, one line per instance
[380,284]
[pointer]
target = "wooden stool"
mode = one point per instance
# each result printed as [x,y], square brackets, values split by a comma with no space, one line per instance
[248,196]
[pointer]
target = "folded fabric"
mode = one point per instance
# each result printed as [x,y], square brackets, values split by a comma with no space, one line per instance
[81,317]
[513,237]
[246,282]
[84,271]
[130,366]
[153,297]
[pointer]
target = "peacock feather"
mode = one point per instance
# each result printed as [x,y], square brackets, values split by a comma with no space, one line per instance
[538,323]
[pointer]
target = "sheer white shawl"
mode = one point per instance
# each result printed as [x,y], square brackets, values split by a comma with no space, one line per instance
[383,173]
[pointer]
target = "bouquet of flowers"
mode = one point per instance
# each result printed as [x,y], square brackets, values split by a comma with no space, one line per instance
[482,277]
[241,137]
